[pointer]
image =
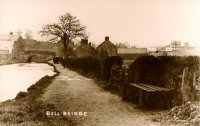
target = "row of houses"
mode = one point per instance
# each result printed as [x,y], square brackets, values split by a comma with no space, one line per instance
[20,49]
[106,48]
[175,48]
[11,45]
[15,45]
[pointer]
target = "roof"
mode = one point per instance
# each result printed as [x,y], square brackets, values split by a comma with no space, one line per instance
[106,44]
[8,37]
[131,50]
[85,50]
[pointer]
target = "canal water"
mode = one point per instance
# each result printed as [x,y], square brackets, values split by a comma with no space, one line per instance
[18,77]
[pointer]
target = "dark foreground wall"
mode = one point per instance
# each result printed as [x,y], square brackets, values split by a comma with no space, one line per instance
[168,72]
[147,69]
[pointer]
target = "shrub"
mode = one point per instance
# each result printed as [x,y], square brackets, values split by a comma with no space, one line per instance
[107,64]
[146,69]
[86,65]
[168,67]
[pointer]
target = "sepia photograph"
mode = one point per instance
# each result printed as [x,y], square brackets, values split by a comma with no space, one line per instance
[99,62]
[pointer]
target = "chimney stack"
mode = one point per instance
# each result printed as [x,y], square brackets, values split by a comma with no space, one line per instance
[107,38]
[84,41]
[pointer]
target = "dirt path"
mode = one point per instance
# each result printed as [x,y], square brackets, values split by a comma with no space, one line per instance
[72,92]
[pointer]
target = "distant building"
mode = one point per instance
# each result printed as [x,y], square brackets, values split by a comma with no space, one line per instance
[175,48]
[6,43]
[84,50]
[107,48]
[131,53]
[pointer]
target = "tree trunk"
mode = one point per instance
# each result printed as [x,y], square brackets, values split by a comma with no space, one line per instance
[65,42]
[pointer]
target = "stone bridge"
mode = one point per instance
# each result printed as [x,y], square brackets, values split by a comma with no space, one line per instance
[28,50]
[34,56]
[39,56]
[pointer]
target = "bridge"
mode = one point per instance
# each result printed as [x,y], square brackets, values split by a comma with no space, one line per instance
[28,50]
[39,56]
[34,56]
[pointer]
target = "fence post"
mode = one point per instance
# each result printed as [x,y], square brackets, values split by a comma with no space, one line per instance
[125,86]
[184,81]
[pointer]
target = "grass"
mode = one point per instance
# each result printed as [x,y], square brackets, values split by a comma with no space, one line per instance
[25,109]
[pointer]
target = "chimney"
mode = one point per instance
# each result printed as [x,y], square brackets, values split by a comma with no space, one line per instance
[84,41]
[107,38]
[11,33]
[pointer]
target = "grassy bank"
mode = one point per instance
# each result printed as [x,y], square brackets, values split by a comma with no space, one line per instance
[26,109]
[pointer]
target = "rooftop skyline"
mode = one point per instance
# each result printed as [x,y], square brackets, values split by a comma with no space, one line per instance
[144,23]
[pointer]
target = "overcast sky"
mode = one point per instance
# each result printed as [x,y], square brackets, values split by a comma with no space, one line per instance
[139,22]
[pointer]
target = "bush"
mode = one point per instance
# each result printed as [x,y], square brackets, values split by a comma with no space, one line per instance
[107,64]
[167,71]
[85,65]
[167,67]
[146,69]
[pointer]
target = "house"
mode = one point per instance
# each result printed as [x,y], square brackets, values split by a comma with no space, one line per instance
[107,48]
[84,50]
[6,43]
[131,53]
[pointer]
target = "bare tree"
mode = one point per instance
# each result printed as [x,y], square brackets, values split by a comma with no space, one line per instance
[67,29]
[123,45]
[19,32]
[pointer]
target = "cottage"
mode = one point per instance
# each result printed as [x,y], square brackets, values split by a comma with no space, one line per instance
[84,50]
[131,53]
[107,48]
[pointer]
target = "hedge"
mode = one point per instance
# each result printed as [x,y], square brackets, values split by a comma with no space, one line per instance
[89,65]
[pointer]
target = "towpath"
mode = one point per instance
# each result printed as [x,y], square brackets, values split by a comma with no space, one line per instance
[72,92]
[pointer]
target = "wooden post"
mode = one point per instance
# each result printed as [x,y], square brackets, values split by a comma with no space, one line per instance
[183,80]
[124,87]
[124,91]
[194,80]
[141,104]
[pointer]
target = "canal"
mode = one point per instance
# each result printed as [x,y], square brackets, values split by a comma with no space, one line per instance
[18,77]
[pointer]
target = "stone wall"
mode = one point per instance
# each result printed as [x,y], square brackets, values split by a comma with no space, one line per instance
[5,59]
